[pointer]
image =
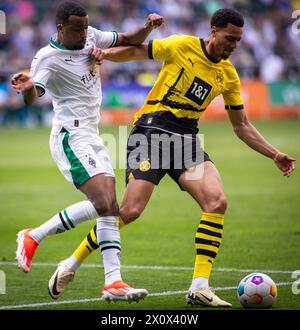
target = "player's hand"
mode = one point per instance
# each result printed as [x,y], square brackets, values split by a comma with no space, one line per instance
[97,55]
[154,21]
[285,163]
[22,82]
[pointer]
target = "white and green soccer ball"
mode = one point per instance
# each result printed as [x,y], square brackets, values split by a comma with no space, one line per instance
[257,290]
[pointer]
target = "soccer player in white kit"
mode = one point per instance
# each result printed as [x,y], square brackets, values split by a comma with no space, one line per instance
[69,69]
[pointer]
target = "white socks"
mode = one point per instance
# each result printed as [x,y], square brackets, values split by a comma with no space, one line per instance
[108,236]
[199,283]
[73,263]
[65,220]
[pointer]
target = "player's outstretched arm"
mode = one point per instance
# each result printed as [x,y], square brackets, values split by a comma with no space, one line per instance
[251,136]
[123,54]
[22,83]
[138,36]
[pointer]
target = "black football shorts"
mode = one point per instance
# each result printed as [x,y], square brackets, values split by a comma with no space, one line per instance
[152,153]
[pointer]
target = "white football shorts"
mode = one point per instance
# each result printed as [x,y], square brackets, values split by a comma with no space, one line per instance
[80,154]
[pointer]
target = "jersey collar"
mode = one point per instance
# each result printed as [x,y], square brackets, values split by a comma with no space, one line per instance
[203,46]
[55,44]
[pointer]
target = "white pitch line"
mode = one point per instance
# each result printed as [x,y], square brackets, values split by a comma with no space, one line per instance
[274,271]
[166,293]
[53,264]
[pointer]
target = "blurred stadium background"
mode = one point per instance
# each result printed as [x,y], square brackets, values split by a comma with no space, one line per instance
[268,58]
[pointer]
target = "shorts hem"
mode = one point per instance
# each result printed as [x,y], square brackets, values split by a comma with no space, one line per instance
[78,185]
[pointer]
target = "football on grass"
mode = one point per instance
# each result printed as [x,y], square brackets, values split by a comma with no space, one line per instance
[257,290]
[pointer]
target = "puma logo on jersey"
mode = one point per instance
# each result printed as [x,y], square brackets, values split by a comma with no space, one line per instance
[69,59]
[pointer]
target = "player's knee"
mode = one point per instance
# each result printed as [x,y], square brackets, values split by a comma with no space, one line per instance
[106,207]
[129,214]
[217,205]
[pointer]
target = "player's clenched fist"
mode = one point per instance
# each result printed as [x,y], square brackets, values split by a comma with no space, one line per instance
[97,55]
[154,21]
[21,82]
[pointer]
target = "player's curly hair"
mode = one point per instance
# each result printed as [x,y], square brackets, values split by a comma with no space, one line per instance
[226,15]
[68,8]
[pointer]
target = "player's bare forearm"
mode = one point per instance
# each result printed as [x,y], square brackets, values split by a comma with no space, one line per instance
[128,53]
[22,83]
[30,96]
[134,38]
[251,136]
[256,141]
[138,36]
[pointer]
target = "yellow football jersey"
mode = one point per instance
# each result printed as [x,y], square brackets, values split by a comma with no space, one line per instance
[189,79]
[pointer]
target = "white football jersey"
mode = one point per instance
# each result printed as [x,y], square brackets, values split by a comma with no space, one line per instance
[72,79]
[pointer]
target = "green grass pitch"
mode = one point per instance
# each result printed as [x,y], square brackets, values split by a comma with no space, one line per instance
[262,225]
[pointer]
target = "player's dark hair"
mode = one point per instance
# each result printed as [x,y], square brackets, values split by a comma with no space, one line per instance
[226,15]
[67,9]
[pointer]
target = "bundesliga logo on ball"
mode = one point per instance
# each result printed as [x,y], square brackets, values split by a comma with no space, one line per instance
[257,290]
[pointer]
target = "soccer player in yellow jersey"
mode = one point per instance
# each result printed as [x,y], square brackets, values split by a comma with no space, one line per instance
[193,73]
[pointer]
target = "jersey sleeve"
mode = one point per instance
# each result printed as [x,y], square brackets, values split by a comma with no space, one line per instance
[105,39]
[163,49]
[40,72]
[232,97]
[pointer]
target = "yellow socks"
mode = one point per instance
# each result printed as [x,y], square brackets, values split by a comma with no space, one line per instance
[207,241]
[87,246]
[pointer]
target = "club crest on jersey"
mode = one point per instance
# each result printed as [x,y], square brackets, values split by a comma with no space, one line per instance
[219,77]
[92,162]
[145,165]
